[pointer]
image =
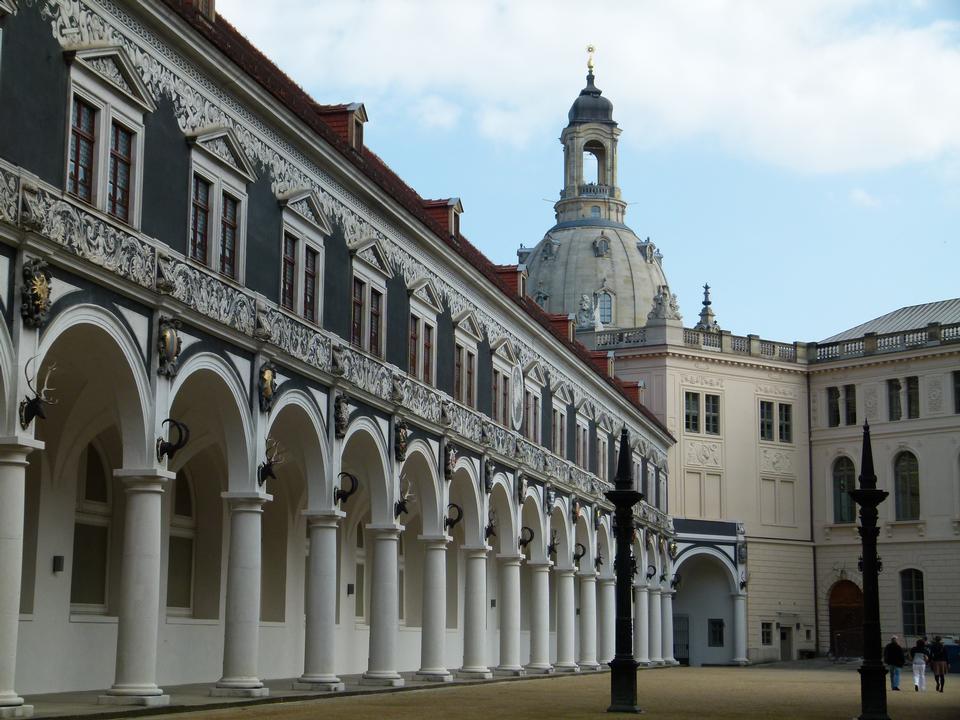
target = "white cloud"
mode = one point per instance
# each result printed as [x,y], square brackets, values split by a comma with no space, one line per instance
[860,197]
[818,86]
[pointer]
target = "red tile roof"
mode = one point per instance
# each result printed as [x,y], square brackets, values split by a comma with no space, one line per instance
[228,40]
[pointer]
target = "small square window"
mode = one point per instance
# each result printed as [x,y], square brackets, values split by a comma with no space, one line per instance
[766,633]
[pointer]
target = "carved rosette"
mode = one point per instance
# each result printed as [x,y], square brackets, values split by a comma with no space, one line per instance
[35,293]
[168,346]
[267,386]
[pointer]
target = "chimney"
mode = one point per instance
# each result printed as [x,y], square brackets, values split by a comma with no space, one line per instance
[603,361]
[446,213]
[515,276]
[564,324]
[635,390]
[346,121]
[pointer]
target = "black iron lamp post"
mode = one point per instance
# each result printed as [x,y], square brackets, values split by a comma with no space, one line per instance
[623,667]
[873,687]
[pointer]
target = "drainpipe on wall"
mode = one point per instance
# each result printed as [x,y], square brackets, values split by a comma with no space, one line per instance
[813,544]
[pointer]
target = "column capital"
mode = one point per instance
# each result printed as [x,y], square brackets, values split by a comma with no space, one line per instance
[14,450]
[541,565]
[323,518]
[246,502]
[144,480]
[603,580]
[654,589]
[587,574]
[476,550]
[641,588]
[741,595]
[384,531]
[435,540]
[510,559]
[564,571]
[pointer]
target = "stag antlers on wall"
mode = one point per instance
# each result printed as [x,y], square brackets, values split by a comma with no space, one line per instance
[339,494]
[400,506]
[167,449]
[265,471]
[32,408]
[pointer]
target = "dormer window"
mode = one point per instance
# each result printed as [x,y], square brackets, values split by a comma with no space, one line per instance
[219,177]
[105,136]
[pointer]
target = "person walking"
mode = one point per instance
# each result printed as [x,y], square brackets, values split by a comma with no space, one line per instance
[938,661]
[894,659]
[921,656]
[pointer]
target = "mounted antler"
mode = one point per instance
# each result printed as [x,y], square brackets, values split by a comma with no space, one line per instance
[675,581]
[491,529]
[31,408]
[448,522]
[554,542]
[598,561]
[274,457]
[579,552]
[400,506]
[651,571]
[339,494]
[167,449]
[526,537]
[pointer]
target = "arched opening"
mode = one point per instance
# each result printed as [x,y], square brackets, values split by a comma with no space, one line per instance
[594,163]
[906,485]
[703,611]
[846,619]
[844,477]
[605,301]
[534,551]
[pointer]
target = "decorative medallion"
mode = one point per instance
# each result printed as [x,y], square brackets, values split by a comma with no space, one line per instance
[168,346]
[341,416]
[267,386]
[672,549]
[575,508]
[516,397]
[400,433]
[35,293]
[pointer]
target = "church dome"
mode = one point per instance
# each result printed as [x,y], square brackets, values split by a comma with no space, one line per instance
[591,106]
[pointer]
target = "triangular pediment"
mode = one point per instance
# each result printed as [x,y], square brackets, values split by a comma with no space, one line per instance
[534,373]
[306,204]
[426,292]
[504,349]
[371,253]
[113,66]
[467,323]
[223,146]
[563,392]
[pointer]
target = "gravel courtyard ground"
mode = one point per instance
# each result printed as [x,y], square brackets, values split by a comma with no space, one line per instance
[811,689]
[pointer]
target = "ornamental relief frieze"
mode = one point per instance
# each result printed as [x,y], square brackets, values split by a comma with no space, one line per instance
[703,380]
[206,294]
[870,402]
[777,391]
[198,104]
[776,461]
[9,194]
[705,453]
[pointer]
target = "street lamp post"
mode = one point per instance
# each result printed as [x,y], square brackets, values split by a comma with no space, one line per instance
[623,667]
[873,688]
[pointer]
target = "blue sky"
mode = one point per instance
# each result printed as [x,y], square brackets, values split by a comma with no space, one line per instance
[803,158]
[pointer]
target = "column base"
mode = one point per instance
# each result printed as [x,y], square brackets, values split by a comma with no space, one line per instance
[567,667]
[440,676]
[382,679]
[139,700]
[509,671]
[643,663]
[655,663]
[474,674]
[539,669]
[740,661]
[319,684]
[16,711]
[589,666]
[245,692]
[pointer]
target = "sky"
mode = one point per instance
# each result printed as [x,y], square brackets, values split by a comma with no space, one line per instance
[801,157]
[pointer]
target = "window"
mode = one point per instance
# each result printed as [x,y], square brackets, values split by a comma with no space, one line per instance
[711,414]
[427,354]
[121,163]
[906,483]
[843,482]
[913,397]
[603,457]
[414,344]
[582,445]
[359,606]
[82,139]
[715,633]
[501,397]
[200,219]
[374,323]
[180,555]
[458,373]
[850,404]
[606,308]
[785,428]
[368,308]
[229,224]
[495,392]
[833,406]
[894,411]
[956,391]
[91,536]
[401,569]
[911,594]
[559,431]
[766,633]
[470,384]
[356,321]
[288,291]
[594,211]
[691,414]
[531,416]
[310,270]
[766,420]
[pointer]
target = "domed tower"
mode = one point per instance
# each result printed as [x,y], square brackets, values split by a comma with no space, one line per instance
[590,263]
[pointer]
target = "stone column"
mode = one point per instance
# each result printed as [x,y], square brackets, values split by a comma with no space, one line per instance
[608,616]
[475,616]
[539,618]
[241,642]
[510,616]
[740,628]
[139,615]
[666,626]
[320,650]
[641,624]
[434,622]
[566,621]
[384,609]
[13,468]
[588,621]
[656,646]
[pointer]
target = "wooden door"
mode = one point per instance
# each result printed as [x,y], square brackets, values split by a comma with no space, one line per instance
[846,620]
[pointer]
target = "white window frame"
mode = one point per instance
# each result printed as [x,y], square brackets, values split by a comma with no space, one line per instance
[426,315]
[184,527]
[466,335]
[112,105]
[372,279]
[558,431]
[603,457]
[307,235]
[503,362]
[222,179]
[99,514]
[582,438]
[360,570]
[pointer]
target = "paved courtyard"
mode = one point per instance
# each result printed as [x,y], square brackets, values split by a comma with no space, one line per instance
[809,689]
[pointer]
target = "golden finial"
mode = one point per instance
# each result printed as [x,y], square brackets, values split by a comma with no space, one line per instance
[590,49]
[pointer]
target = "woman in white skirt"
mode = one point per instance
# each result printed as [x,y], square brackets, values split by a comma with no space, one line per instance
[921,656]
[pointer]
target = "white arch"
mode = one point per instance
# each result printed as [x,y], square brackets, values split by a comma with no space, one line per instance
[538,547]
[432,521]
[8,382]
[506,527]
[605,546]
[240,460]
[564,533]
[319,486]
[381,500]
[473,518]
[713,552]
